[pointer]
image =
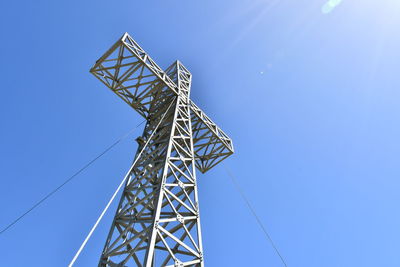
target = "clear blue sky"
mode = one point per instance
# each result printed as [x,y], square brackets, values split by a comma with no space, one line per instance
[309,94]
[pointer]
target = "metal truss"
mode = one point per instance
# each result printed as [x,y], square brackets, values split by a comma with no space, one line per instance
[157,222]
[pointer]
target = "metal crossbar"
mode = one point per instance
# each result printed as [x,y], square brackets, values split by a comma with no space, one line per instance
[157,222]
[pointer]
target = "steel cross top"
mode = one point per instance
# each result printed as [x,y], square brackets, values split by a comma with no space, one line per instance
[157,222]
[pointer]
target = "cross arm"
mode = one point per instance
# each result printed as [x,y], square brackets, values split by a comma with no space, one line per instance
[132,74]
[211,144]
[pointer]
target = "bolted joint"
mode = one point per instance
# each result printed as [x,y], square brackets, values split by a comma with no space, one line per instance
[180,218]
[178,263]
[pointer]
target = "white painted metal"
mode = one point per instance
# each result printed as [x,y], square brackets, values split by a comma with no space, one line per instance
[157,222]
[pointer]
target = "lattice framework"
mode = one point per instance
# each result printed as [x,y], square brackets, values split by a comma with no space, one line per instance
[157,222]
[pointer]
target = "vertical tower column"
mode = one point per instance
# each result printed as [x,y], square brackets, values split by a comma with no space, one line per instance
[176,229]
[157,222]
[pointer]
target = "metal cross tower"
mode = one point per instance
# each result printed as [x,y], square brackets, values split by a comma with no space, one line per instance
[157,222]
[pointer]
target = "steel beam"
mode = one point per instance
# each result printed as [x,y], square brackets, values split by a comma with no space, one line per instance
[157,222]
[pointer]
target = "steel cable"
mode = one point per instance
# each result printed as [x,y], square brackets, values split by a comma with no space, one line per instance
[116,191]
[253,212]
[69,179]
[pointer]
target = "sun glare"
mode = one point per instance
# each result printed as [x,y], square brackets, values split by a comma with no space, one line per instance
[329,6]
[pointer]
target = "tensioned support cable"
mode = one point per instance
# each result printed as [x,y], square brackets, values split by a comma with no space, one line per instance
[253,212]
[116,191]
[69,179]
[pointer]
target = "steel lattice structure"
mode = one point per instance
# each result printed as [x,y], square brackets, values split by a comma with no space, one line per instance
[157,222]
